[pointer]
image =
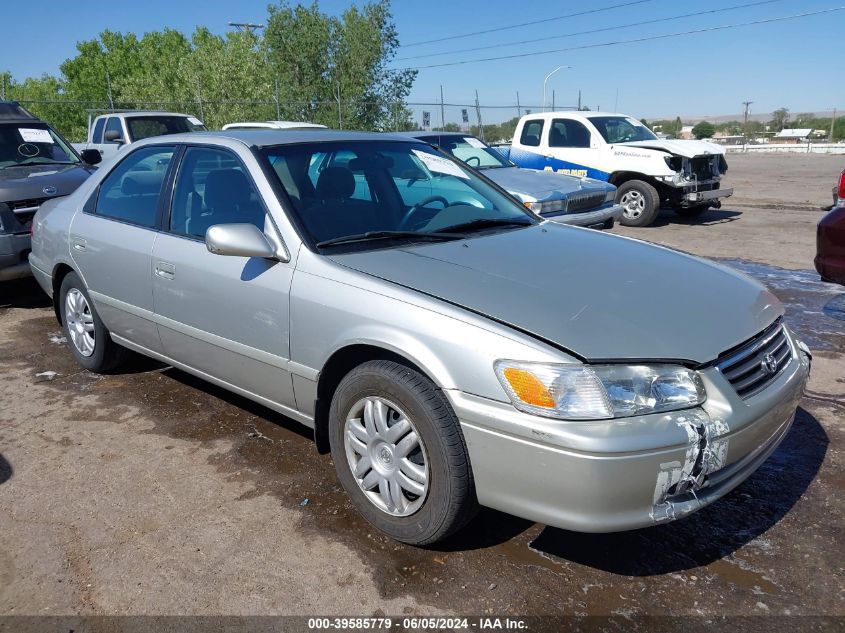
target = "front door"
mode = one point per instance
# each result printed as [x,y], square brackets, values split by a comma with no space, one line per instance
[111,242]
[227,317]
[570,149]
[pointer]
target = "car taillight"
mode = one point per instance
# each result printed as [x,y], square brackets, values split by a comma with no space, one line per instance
[842,185]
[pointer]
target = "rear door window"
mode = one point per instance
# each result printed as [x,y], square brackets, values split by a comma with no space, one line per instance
[130,193]
[532,132]
[97,137]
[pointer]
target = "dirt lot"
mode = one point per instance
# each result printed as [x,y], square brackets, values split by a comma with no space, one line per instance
[151,492]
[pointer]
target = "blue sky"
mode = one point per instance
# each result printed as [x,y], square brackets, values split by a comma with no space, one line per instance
[796,63]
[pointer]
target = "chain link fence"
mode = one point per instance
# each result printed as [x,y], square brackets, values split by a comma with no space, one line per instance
[491,122]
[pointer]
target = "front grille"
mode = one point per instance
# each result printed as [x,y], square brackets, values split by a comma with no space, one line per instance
[703,167]
[584,201]
[25,210]
[751,366]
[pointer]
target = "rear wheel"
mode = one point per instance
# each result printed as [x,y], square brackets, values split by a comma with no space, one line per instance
[399,453]
[640,203]
[89,339]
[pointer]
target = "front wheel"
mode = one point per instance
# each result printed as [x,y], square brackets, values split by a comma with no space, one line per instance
[89,339]
[399,453]
[640,203]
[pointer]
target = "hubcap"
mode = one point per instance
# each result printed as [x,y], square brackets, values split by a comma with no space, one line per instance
[633,203]
[80,322]
[386,456]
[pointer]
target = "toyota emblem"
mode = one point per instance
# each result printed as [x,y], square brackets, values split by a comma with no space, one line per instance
[769,364]
[49,190]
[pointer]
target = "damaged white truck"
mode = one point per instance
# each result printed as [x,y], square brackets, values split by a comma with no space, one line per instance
[648,172]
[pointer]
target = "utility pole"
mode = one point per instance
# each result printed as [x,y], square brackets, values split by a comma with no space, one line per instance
[832,121]
[747,105]
[339,115]
[442,111]
[478,116]
[579,99]
[553,100]
[249,27]
[108,86]
[518,109]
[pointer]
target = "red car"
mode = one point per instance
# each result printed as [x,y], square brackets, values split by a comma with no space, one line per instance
[830,239]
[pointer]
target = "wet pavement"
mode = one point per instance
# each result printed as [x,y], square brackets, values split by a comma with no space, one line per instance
[815,309]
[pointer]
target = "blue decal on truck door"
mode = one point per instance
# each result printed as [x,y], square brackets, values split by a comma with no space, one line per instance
[531,160]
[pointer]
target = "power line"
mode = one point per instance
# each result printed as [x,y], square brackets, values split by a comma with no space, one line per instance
[516,26]
[630,41]
[591,31]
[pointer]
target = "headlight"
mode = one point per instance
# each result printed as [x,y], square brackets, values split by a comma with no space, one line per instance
[595,392]
[550,206]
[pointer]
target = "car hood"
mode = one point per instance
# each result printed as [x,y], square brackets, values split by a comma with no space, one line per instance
[30,181]
[599,296]
[681,148]
[532,185]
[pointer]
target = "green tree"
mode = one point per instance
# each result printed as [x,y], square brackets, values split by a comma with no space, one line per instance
[780,118]
[704,129]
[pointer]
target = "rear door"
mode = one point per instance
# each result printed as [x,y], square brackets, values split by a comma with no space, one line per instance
[111,242]
[227,317]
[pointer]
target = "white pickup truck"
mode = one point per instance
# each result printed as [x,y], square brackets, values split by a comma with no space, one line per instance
[109,132]
[647,171]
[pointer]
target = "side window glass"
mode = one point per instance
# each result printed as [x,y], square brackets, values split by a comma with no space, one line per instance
[113,125]
[568,133]
[98,131]
[213,188]
[532,131]
[131,191]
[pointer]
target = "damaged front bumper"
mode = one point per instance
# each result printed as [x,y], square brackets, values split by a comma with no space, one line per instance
[614,475]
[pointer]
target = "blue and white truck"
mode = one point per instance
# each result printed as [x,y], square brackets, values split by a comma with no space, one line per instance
[648,172]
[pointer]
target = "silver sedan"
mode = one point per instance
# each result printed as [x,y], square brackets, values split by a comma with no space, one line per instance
[450,350]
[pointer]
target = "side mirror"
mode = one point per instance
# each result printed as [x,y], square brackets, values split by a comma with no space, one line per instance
[113,136]
[91,156]
[238,240]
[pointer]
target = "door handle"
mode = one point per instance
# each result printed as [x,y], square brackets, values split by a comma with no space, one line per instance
[166,270]
[78,243]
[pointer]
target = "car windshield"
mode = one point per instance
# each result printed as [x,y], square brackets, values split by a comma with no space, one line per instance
[621,129]
[33,143]
[470,150]
[141,127]
[377,194]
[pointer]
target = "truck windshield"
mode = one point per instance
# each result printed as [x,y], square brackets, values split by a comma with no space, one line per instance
[470,150]
[621,129]
[376,194]
[33,143]
[141,127]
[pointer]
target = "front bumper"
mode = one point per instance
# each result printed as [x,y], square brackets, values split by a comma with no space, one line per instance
[608,476]
[589,218]
[13,251]
[697,197]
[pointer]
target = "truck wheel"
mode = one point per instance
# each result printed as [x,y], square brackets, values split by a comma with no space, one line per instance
[399,453]
[89,339]
[692,211]
[640,203]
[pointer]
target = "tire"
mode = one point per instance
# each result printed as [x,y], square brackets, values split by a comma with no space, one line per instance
[88,339]
[441,497]
[640,201]
[693,211]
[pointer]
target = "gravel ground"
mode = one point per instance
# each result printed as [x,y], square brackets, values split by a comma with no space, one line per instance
[152,492]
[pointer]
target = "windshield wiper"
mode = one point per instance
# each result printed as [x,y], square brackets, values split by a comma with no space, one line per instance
[484,223]
[384,235]
[45,162]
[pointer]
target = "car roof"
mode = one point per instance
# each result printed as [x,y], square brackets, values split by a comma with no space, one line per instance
[268,137]
[143,113]
[278,125]
[422,134]
[13,111]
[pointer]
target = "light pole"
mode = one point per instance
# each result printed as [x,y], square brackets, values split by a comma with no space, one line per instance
[546,80]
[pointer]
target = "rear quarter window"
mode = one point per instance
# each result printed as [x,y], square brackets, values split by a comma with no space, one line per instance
[532,131]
